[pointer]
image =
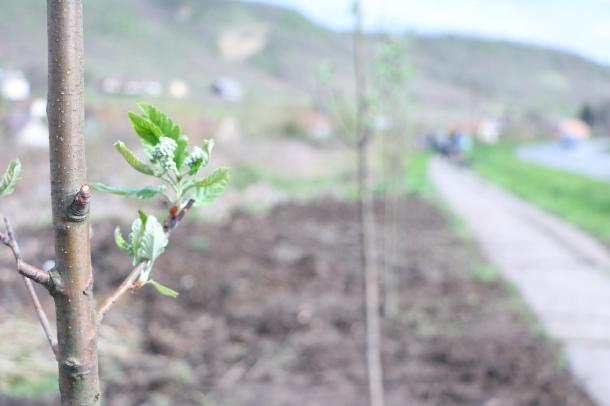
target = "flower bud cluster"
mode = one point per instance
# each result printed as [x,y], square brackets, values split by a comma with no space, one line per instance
[163,153]
[195,157]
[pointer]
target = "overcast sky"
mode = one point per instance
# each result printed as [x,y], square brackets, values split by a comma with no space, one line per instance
[580,26]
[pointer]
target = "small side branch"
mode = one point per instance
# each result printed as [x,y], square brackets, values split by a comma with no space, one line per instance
[127,284]
[33,273]
[169,225]
[42,316]
[25,269]
[30,273]
[172,221]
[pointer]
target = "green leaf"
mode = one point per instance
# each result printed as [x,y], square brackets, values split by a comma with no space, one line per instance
[153,240]
[219,177]
[119,240]
[145,274]
[142,216]
[147,192]
[207,147]
[10,178]
[208,189]
[164,290]
[161,120]
[135,239]
[147,242]
[180,153]
[146,129]
[132,159]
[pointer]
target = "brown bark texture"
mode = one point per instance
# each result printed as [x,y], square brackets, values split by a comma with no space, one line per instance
[72,279]
[367,229]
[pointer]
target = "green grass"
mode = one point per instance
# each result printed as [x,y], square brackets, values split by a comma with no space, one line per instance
[25,387]
[244,175]
[27,370]
[416,180]
[485,273]
[583,201]
[418,183]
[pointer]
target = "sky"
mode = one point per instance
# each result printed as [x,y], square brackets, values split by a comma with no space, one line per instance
[578,26]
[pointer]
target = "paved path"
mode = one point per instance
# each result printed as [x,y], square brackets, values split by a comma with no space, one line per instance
[562,274]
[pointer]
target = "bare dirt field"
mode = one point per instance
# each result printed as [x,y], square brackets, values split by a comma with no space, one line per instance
[270,313]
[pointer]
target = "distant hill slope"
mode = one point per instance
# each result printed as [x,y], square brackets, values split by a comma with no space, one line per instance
[165,39]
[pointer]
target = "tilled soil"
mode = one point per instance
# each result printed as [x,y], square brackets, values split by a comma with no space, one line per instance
[270,313]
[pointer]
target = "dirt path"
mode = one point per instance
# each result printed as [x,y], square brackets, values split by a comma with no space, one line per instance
[562,274]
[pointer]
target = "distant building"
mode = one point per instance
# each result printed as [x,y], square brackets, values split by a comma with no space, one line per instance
[35,132]
[38,109]
[319,126]
[489,131]
[316,126]
[131,87]
[14,86]
[228,89]
[111,86]
[153,88]
[138,87]
[572,131]
[178,89]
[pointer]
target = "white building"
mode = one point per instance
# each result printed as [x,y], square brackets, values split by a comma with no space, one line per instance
[14,86]
[489,131]
[35,133]
[178,89]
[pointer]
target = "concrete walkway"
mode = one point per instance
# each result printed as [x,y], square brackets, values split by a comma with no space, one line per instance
[562,273]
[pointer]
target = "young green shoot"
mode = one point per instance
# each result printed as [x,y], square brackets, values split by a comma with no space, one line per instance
[176,170]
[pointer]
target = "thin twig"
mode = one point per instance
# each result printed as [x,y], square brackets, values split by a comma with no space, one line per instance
[30,273]
[25,269]
[42,316]
[128,283]
[172,221]
[123,287]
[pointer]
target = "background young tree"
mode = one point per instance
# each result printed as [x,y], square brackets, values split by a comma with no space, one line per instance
[366,215]
[391,71]
[355,127]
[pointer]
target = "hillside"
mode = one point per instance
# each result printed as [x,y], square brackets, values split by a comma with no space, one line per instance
[505,76]
[275,53]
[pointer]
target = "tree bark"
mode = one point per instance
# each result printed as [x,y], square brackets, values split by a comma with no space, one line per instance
[367,226]
[392,176]
[72,277]
[394,223]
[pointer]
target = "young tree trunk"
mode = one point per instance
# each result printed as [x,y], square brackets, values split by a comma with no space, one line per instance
[396,226]
[367,227]
[393,178]
[72,277]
